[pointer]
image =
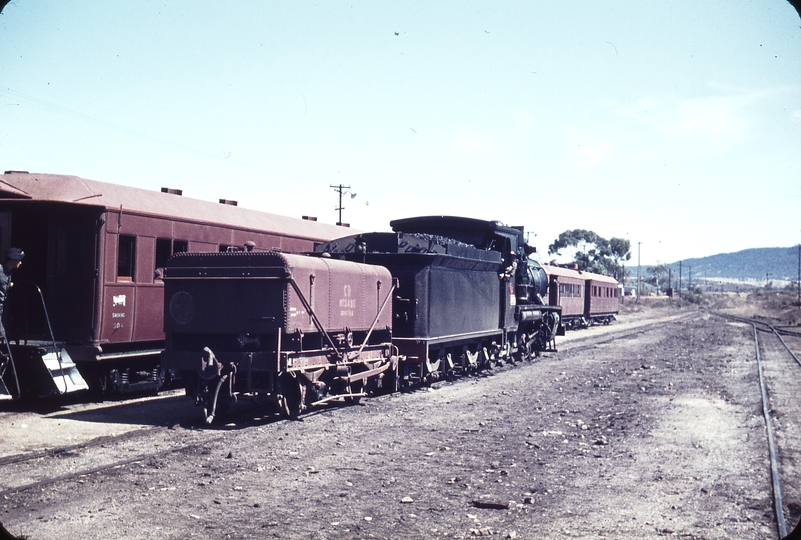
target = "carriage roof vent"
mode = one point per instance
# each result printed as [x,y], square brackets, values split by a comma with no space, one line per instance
[310,218]
[229,202]
[172,191]
[17,172]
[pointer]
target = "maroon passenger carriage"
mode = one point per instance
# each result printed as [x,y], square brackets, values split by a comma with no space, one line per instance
[566,288]
[586,298]
[602,301]
[94,254]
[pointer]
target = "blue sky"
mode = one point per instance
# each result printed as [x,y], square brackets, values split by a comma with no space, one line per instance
[674,124]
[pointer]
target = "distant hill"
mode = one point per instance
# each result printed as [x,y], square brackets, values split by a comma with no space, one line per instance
[780,262]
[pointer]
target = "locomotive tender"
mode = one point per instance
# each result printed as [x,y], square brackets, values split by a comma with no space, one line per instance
[437,297]
[90,290]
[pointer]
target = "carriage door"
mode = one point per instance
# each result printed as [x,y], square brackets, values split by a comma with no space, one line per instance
[72,274]
[553,291]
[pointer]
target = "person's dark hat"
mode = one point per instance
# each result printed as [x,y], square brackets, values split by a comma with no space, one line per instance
[15,254]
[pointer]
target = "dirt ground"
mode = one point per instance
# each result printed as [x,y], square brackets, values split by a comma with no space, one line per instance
[651,427]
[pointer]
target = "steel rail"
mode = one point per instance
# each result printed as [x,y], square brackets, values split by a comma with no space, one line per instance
[109,466]
[767,327]
[778,335]
[762,326]
[97,441]
[774,467]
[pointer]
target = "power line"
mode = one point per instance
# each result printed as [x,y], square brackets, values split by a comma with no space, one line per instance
[151,138]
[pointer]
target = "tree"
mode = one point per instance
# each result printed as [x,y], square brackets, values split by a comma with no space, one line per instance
[593,253]
[659,274]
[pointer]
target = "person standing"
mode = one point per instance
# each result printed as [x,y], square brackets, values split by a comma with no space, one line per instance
[13,261]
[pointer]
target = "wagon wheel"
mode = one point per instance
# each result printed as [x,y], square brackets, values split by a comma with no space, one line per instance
[292,397]
[392,378]
[489,359]
[469,361]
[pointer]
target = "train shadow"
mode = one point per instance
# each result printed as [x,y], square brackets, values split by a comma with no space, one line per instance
[172,408]
[164,410]
[174,411]
[248,413]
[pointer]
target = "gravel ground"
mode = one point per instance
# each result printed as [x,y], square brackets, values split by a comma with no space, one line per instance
[648,428]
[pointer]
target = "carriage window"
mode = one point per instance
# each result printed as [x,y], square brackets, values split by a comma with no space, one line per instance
[163,251]
[165,248]
[126,257]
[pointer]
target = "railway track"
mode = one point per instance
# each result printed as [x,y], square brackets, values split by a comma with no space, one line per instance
[780,408]
[30,470]
[37,469]
[49,481]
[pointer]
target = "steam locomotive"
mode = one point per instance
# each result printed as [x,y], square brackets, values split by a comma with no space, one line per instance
[437,297]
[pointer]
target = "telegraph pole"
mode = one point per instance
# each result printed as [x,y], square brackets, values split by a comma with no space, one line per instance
[638,270]
[341,189]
